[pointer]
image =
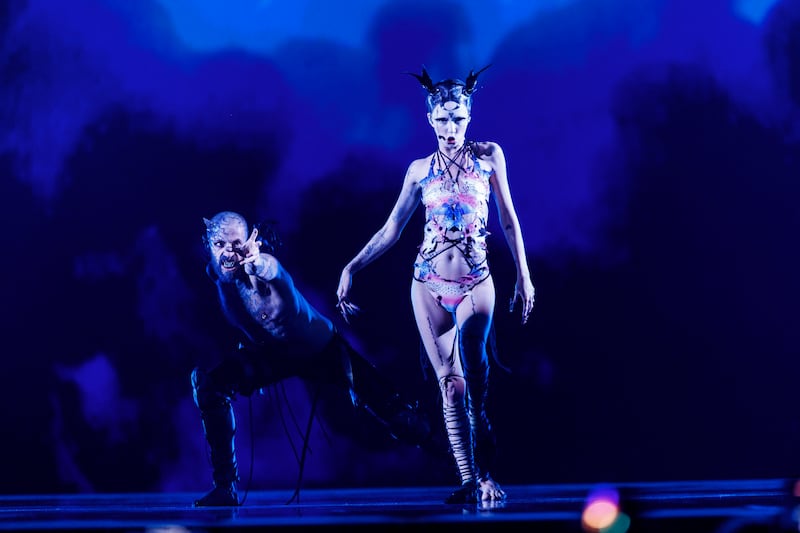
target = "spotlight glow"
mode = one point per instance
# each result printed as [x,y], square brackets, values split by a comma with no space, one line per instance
[599,514]
[754,11]
[602,514]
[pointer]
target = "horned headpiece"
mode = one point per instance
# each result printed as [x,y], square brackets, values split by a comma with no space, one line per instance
[449,90]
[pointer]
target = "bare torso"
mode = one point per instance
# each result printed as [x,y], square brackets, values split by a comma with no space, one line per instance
[274,312]
[456,204]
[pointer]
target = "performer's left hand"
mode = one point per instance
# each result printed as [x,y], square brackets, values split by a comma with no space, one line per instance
[525,293]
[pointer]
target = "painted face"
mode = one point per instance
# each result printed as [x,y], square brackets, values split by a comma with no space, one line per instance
[226,234]
[449,120]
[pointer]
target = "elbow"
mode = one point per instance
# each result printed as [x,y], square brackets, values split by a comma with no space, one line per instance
[509,224]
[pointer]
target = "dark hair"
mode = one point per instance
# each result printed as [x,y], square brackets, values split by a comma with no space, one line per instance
[268,235]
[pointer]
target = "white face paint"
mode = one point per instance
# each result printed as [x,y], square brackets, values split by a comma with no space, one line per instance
[450,121]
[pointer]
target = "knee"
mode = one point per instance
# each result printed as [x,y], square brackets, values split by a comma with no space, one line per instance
[203,391]
[453,389]
[198,377]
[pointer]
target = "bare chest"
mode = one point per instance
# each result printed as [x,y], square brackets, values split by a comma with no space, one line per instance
[262,302]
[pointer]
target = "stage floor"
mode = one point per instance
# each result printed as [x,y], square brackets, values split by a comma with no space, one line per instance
[692,506]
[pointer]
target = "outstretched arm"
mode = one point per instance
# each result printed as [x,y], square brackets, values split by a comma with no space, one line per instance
[523,290]
[382,240]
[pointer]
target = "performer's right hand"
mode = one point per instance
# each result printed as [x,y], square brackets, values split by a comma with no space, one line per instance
[345,306]
[345,282]
[250,250]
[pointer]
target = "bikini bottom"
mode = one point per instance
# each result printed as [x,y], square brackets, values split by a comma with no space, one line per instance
[450,293]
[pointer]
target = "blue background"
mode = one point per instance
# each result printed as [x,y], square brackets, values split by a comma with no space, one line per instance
[652,150]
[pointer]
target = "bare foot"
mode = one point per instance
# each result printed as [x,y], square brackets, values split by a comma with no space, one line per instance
[490,490]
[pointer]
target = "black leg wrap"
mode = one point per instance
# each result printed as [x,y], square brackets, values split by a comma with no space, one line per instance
[482,434]
[485,444]
[219,426]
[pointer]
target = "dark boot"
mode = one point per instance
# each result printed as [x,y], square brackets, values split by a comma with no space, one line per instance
[219,496]
[468,493]
[219,426]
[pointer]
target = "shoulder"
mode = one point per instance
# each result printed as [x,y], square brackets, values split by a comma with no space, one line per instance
[489,154]
[487,149]
[419,166]
[417,170]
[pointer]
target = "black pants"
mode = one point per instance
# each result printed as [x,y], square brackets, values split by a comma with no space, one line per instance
[251,368]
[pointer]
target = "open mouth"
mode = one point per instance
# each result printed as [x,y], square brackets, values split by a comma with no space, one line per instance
[227,263]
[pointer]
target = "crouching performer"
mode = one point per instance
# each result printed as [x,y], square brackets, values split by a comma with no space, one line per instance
[284,336]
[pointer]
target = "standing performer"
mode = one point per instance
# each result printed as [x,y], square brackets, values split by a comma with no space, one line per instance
[452,292]
[285,336]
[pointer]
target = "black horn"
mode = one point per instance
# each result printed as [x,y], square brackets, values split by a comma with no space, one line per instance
[425,80]
[472,79]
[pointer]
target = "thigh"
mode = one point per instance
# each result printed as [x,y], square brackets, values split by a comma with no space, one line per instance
[334,365]
[248,369]
[479,304]
[474,317]
[437,330]
[226,378]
